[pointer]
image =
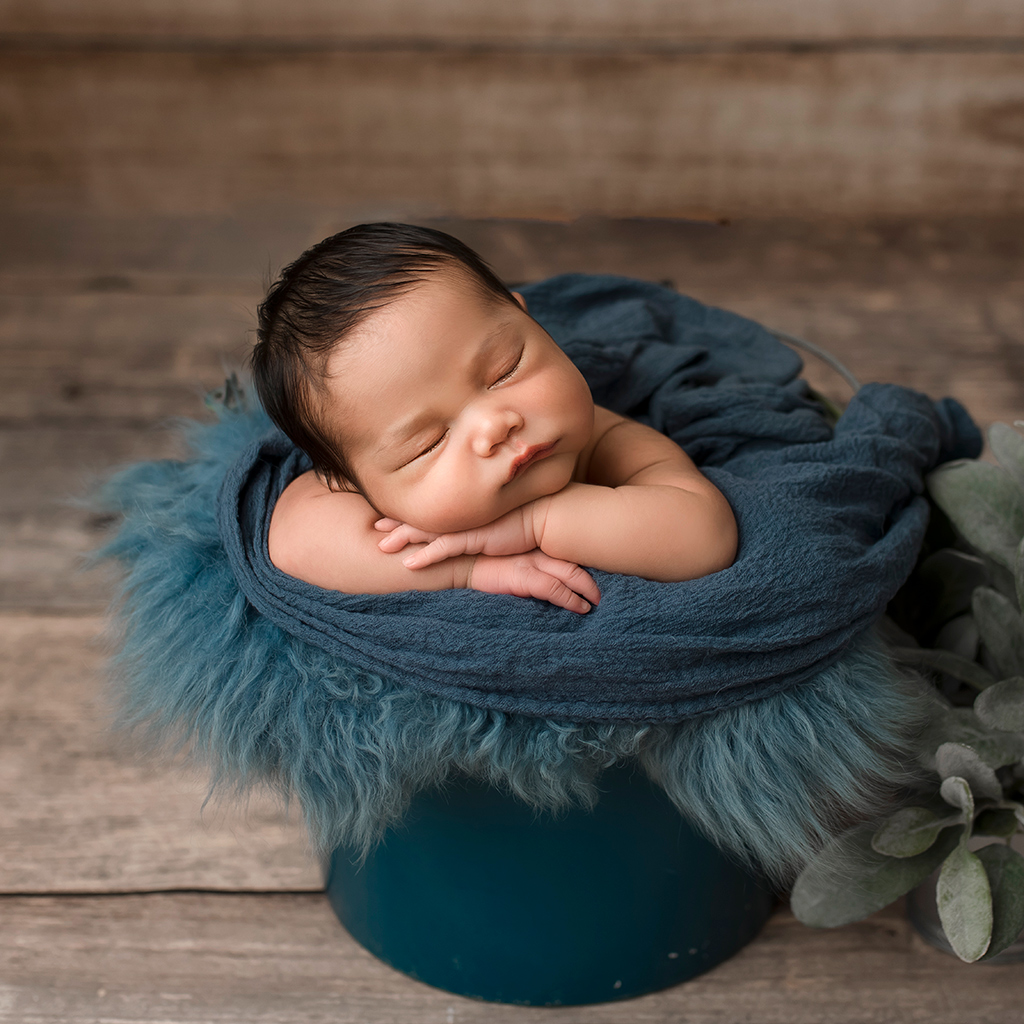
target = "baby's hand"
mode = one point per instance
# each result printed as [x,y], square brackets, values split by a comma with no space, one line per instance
[534,574]
[512,534]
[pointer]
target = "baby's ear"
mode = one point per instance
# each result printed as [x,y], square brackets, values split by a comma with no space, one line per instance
[522,302]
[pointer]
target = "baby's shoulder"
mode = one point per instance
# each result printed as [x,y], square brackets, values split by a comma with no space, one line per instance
[309,520]
[604,420]
[621,448]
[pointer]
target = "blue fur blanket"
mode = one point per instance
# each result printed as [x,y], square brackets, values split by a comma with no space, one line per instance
[830,522]
[352,704]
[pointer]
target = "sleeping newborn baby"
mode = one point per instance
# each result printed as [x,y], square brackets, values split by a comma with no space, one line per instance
[453,443]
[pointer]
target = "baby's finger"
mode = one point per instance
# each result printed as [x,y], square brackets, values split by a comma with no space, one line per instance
[548,588]
[386,525]
[393,542]
[404,534]
[576,579]
[448,545]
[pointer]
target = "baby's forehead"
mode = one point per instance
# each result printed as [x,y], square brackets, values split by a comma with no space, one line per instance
[424,319]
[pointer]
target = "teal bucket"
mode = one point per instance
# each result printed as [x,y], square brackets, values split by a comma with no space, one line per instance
[477,894]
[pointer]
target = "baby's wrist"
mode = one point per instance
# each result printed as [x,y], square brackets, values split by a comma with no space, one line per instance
[462,571]
[535,514]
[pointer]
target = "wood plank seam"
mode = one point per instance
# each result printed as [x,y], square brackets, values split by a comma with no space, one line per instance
[175,43]
[93,894]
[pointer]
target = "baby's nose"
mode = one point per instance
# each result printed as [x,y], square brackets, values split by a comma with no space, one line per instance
[494,428]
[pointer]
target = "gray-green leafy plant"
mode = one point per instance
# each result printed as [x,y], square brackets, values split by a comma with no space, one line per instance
[969,596]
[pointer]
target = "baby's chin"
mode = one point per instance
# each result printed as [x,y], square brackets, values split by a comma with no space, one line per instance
[541,480]
[461,521]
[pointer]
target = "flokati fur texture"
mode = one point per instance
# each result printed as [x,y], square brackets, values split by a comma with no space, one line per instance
[199,669]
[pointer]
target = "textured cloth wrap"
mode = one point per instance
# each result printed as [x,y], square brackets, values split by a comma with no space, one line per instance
[830,523]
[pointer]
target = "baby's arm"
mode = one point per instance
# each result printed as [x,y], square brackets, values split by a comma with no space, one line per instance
[646,510]
[327,538]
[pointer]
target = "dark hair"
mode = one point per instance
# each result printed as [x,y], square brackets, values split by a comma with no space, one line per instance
[323,295]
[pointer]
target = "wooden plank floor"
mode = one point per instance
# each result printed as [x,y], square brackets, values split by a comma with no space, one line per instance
[121,898]
[283,959]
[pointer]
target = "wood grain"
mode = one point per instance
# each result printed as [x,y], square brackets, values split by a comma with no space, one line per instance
[89,383]
[418,133]
[99,358]
[45,532]
[81,813]
[453,21]
[271,959]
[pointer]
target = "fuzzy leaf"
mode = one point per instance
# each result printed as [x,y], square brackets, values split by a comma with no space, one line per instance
[1002,706]
[956,760]
[995,821]
[1001,580]
[962,725]
[999,749]
[943,661]
[964,900]
[1008,447]
[1005,870]
[956,791]
[1001,629]
[848,880]
[959,636]
[1018,576]
[984,504]
[908,832]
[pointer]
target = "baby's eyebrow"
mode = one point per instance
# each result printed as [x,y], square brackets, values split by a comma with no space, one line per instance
[403,432]
[488,344]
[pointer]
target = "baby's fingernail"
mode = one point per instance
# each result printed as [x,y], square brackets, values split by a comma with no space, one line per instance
[586,607]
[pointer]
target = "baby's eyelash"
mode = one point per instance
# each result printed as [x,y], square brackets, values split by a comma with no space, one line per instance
[430,447]
[509,373]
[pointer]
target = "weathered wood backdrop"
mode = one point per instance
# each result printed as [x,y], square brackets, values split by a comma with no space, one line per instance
[537,108]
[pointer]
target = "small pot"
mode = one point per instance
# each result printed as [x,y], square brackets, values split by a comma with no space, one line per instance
[477,894]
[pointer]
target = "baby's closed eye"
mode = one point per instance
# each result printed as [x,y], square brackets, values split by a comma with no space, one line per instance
[510,372]
[436,443]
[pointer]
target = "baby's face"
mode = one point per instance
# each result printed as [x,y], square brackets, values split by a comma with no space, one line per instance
[455,408]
